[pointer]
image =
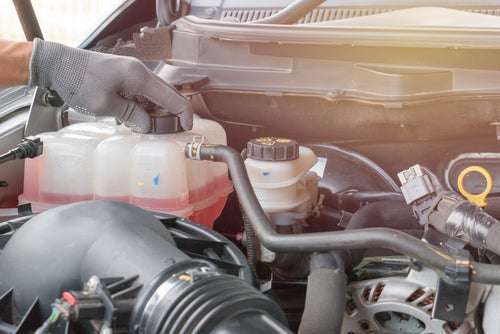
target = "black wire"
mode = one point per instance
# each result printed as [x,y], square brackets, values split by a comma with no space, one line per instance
[7,157]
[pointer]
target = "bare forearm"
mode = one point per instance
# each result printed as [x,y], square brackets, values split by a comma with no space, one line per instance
[14,62]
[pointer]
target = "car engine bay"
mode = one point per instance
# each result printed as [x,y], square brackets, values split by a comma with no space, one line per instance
[342,176]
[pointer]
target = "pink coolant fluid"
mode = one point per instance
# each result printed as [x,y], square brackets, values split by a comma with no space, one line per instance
[208,215]
[32,172]
[31,189]
[107,162]
[179,206]
[41,200]
[209,210]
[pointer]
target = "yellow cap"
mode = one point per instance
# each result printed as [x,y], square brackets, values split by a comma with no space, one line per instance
[478,199]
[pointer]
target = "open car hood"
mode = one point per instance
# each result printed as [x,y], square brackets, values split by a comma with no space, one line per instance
[421,27]
[418,17]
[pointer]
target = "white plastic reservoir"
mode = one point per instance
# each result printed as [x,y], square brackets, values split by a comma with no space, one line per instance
[105,161]
[278,169]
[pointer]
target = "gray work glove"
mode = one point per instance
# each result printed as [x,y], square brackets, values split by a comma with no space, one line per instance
[100,84]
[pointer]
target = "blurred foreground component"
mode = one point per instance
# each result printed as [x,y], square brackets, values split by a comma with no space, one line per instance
[115,266]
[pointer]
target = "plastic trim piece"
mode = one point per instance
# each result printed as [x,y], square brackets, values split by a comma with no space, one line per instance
[487,38]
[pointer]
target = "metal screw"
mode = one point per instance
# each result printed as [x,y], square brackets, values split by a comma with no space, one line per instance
[92,284]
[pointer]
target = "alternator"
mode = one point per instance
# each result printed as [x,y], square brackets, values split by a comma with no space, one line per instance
[400,304]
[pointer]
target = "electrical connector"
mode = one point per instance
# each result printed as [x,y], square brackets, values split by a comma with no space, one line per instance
[418,191]
[30,147]
[415,185]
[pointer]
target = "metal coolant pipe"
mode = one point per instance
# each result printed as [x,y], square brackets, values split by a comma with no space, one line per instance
[386,238]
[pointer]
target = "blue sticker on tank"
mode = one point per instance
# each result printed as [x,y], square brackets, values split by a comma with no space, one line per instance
[156,180]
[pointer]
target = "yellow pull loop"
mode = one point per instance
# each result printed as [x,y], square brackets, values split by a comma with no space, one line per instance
[478,199]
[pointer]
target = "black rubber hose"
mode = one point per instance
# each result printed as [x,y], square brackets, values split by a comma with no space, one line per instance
[454,215]
[485,273]
[325,297]
[250,324]
[7,157]
[394,214]
[353,200]
[30,147]
[250,243]
[389,213]
[291,13]
[386,238]
[493,239]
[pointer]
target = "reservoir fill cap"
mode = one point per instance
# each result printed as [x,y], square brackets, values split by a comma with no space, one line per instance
[166,123]
[273,149]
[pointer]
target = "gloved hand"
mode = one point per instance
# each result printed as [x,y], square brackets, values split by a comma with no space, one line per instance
[105,85]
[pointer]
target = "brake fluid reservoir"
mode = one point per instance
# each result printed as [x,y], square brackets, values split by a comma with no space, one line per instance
[277,169]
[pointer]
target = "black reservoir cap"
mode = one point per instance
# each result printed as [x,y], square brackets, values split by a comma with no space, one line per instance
[273,149]
[163,124]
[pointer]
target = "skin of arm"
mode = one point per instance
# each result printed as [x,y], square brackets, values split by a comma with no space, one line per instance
[14,62]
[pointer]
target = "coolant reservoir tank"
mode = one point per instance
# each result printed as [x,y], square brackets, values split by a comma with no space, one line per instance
[277,168]
[106,161]
[214,133]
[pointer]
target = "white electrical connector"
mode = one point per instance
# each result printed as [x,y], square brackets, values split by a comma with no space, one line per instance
[415,185]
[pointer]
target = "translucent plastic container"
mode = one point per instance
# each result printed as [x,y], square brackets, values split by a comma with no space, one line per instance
[159,176]
[280,186]
[108,162]
[66,174]
[111,173]
[214,133]
[32,169]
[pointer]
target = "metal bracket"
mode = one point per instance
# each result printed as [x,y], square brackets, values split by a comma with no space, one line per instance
[44,114]
[452,293]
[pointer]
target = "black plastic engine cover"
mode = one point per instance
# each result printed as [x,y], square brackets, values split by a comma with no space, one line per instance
[62,248]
